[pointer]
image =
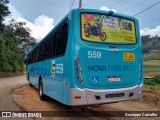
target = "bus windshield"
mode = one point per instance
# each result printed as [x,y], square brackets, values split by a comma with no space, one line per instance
[107,29]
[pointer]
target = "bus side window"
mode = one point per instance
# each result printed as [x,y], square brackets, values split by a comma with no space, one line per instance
[30,58]
[33,56]
[52,38]
[37,54]
[40,52]
[60,40]
[58,43]
[43,50]
[48,48]
[64,37]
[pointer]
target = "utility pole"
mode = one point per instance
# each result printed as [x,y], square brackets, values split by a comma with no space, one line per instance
[80,4]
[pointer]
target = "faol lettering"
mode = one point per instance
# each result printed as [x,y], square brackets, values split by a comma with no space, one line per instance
[117,68]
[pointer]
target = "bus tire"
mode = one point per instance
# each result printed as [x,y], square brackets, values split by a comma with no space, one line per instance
[28,76]
[30,84]
[41,95]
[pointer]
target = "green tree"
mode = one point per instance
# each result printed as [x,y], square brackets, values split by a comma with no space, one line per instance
[3,12]
[17,42]
[22,36]
[2,43]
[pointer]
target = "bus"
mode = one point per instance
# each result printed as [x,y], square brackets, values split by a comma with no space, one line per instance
[90,57]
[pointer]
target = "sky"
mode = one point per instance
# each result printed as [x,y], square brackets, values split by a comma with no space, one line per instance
[42,15]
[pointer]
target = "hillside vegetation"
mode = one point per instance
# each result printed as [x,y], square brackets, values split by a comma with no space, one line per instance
[151,47]
[150,43]
[15,42]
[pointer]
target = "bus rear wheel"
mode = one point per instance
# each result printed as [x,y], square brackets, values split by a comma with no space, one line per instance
[41,95]
[30,84]
[29,81]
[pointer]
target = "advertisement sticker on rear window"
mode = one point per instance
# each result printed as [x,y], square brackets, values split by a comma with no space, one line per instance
[107,29]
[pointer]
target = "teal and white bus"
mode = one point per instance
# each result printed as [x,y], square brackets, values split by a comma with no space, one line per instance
[90,57]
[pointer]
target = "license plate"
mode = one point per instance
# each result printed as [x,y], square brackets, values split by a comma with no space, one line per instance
[115,79]
[114,95]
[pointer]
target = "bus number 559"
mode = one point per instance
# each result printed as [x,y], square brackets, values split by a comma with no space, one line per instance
[94,54]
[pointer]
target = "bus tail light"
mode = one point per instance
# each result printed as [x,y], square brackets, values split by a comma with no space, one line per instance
[140,69]
[142,92]
[78,70]
[77,75]
[77,97]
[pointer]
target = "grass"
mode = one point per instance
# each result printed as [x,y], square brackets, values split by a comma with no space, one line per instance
[151,68]
[152,83]
[151,56]
[152,62]
[151,87]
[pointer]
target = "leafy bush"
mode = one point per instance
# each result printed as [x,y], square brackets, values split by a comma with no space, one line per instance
[152,81]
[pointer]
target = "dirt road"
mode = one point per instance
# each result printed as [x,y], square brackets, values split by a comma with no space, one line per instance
[16,95]
[6,85]
[6,101]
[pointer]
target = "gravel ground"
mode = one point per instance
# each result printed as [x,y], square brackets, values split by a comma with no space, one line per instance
[27,99]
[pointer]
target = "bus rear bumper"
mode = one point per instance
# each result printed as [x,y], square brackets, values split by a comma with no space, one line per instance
[91,96]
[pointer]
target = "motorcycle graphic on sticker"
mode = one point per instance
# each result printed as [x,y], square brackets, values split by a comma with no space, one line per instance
[53,68]
[94,29]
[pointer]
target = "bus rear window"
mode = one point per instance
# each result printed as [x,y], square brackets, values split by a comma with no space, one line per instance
[107,29]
